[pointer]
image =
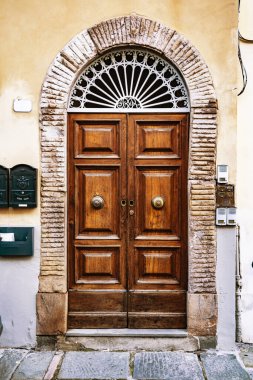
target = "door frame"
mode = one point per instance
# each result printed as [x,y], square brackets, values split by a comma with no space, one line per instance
[61,75]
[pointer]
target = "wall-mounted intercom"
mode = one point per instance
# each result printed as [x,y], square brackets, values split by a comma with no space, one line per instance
[226,216]
[221,216]
[225,199]
[222,173]
[231,216]
[23,186]
[4,185]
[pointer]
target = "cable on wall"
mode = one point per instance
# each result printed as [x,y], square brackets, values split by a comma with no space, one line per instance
[243,69]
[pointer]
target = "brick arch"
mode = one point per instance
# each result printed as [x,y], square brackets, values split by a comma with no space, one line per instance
[61,75]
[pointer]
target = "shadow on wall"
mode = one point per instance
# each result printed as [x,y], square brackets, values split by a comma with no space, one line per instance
[1,326]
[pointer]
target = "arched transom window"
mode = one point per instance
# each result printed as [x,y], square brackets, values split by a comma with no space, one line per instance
[129,79]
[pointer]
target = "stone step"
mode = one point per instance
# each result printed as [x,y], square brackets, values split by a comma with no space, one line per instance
[129,343]
[166,333]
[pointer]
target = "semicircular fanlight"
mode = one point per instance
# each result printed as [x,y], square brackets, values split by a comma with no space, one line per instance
[130,79]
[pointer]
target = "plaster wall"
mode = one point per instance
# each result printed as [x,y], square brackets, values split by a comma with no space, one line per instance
[245,177]
[19,285]
[31,34]
[226,249]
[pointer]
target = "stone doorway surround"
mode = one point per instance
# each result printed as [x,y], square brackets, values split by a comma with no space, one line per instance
[52,298]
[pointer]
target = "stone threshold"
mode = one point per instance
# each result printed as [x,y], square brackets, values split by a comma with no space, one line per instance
[140,333]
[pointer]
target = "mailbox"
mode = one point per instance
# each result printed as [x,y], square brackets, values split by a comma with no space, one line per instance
[4,179]
[20,245]
[23,186]
[225,195]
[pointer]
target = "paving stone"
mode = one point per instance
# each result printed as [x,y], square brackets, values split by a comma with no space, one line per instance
[223,366]
[167,366]
[250,372]
[247,358]
[34,366]
[9,360]
[95,365]
[54,365]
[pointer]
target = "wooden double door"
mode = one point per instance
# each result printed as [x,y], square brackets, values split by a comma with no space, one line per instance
[127,220]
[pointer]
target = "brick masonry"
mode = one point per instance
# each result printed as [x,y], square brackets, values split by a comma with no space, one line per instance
[62,73]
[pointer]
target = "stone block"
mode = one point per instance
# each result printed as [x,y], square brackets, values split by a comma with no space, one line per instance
[167,365]
[202,314]
[51,313]
[207,342]
[223,366]
[9,360]
[53,284]
[189,344]
[247,358]
[95,365]
[34,366]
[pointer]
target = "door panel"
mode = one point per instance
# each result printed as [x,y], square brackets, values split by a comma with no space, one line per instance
[161,302]
[157,241]
[91,182]
[97,265]
[97,235]
[156,265]
[156,320]
[127,260]
[93,139]
[158,223]
[158,139]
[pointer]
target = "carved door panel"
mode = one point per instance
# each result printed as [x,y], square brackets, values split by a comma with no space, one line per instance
[127,221]
[158,224]
[97,232]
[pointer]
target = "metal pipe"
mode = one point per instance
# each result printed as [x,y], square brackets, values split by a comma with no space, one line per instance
[238,279]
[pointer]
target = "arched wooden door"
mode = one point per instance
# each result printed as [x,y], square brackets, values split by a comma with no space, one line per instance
[127,220]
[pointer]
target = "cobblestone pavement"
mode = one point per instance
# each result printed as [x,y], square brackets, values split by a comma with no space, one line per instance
[21,364]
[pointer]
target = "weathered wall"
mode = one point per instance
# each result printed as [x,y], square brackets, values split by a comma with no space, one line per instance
[32,32]
[226,248]
[244,168]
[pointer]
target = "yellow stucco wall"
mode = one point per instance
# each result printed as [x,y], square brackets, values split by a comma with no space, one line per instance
[33,31]
[31,34]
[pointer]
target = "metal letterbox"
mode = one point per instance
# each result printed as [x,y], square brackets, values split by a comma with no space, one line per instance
[225,195]
[4,179]
[23,186]
[21,245]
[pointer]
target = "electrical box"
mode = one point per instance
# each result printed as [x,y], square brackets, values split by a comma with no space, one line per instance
[231,216]
[20,245]
[23,186]
[4,185]
[22,105]
[221,216]
[222,174]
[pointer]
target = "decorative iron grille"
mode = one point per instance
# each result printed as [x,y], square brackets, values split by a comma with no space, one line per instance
[130,79]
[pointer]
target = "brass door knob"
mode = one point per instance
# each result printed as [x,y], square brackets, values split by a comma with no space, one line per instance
[157,202]
[97,202]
